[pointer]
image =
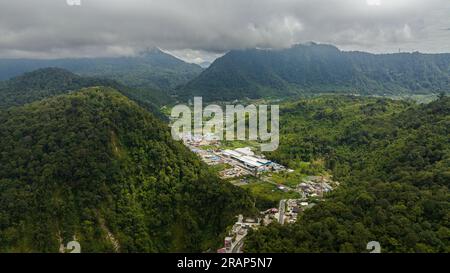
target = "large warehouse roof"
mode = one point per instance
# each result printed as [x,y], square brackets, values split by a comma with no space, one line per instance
[246,159]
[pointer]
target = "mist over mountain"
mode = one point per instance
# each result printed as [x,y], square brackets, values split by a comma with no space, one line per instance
[150,69]
[205,64]
[95,96]
[319,68]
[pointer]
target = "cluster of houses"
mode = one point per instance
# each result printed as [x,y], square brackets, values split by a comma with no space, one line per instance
[316,186]
[233,172]
[287,213]
[200,140]
[293,208]
[234,242]
[243,161]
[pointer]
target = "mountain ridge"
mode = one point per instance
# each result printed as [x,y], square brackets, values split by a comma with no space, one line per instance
[318,68]
[48,82]
[148,69]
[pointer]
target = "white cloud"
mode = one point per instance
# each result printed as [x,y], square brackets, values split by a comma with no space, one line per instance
[204,29]
[374,2]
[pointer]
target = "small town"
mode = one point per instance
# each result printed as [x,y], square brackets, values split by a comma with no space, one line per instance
[244,162]
[287,212]
[272,130]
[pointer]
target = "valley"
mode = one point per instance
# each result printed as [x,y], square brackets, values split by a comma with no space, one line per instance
[349,139]
[95,165]
[92,158]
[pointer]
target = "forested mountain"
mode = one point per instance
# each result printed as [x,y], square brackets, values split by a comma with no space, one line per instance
[393,161]
[47,82]
[94,166]
[152,69]
[316,68]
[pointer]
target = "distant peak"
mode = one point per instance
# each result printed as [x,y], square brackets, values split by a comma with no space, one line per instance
[316,47]
[307,45]
[311,43]
[314,44]
[205,64]
[151,51]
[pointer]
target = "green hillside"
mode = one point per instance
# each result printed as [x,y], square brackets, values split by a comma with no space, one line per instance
[47,82]
[317,68]
[152,69]
[393,161]
[94,166]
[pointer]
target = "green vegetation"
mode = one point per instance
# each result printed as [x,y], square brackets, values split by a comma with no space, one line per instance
[219,167]
[393,161]
[150,70]
[267,195]
[313,68]
[288,179]
[94,165]
[48,82]
[231,145]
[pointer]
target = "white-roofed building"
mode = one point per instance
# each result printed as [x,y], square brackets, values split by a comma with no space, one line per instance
[231,153]
[245,151]
[249,162]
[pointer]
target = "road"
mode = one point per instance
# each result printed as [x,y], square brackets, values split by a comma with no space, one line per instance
[281,210]
[238,245]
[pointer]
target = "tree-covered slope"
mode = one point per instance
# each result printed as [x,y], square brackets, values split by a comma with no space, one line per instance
[314,68]
[152,69]
[94,166]
[47,82]
[393,162]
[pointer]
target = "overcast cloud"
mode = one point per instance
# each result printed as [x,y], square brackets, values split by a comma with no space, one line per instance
[199,30]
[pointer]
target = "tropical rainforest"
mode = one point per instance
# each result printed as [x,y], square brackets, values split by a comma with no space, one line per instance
[318,68]
[89,156]
[47,82]
[393,161]
[151,69]
[94,166]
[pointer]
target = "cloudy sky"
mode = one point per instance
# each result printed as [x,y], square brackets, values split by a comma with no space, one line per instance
[201,30]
